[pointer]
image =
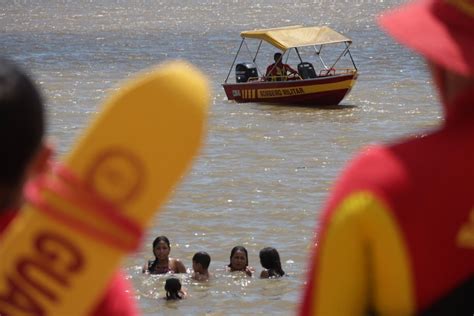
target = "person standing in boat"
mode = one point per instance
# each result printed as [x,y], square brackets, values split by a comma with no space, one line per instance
[397,234]
[278,71]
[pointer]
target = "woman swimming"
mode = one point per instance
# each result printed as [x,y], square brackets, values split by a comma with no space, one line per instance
[270,260]
[163,263]
[239,260]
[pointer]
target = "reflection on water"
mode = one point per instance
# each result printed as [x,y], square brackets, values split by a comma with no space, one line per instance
[230,292]
[265,170]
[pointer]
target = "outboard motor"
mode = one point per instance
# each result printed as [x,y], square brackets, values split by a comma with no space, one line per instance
[245,71]
[306,70]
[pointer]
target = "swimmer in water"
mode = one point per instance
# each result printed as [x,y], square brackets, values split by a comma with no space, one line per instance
[163,263]
[239,261]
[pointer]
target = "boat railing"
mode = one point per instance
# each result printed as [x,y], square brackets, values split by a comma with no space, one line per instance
[281,78]
[336,71]
[322,73]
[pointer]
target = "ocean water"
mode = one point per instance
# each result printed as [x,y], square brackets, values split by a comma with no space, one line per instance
[265,171]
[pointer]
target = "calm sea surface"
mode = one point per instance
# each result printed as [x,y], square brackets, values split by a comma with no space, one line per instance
[265,170]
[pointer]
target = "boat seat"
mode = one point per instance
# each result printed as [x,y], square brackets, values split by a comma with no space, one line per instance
[306,70]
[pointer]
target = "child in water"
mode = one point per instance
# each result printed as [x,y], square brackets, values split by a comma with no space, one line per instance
[173,289]
[270,260]
[239,261]
[201,261]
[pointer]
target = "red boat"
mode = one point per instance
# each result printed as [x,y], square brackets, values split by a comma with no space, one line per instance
[326,86]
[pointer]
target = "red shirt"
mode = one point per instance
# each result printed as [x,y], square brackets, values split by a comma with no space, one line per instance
[280,70]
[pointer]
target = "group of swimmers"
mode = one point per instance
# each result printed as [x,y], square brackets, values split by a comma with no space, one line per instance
[163,264]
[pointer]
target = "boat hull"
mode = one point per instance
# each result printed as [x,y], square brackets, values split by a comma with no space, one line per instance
[327,90]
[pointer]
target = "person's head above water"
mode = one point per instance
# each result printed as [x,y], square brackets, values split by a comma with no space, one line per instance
[173,288]
[161,247]
[239,258]
[163,263]
[270,259]
[201,258]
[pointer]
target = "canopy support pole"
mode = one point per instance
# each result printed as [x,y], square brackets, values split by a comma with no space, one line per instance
[340,56]
[255,58]
[298,53]
[258,50]
[318,52]
[350,55]
[235,58]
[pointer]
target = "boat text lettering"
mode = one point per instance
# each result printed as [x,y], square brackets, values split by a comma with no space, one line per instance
[272,93]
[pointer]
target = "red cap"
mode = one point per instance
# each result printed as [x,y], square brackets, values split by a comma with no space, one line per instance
[440,30]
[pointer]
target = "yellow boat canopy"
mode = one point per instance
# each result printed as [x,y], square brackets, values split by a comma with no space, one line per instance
[297,36]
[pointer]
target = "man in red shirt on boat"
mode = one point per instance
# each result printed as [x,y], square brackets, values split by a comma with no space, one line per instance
[397,234]
[278,71]
[24,156]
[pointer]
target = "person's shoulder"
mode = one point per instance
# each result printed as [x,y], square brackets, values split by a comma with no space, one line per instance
[373,168]
[177,265]
[368,155]
[370,164]
[176,260]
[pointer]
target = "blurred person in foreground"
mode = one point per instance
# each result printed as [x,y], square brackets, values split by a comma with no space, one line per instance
[397,234]
[25,155]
